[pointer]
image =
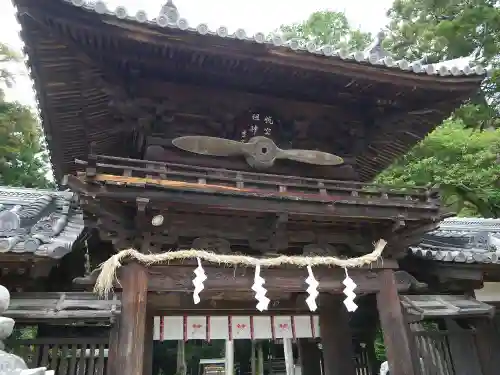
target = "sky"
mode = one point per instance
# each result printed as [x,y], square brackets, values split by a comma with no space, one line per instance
[251,15]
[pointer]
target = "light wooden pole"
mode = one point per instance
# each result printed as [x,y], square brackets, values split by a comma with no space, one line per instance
[288,350]
[132,326]
[229,363]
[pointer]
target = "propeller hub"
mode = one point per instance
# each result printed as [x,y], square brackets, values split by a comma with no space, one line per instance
[261,152]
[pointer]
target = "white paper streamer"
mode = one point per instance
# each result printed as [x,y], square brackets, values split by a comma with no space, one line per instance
[312,290]
[350,285]
[198,281]
[260,291]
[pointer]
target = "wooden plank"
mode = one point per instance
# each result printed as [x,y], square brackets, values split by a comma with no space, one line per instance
[21,315]
[73,360]
[64,340]
[64,361]
[397,344]
[54,352]
[91,359]
[132,327]
[36,356]
[45,355]
[487,343]
[463,349]
[336,336]
[82,361]
[100,360]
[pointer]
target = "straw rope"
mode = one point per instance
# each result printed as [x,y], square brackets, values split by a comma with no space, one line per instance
[107,276]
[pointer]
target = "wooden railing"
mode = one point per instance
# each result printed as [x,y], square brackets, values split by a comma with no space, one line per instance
[362,363]
[445,352]
[66,356]
[251,180]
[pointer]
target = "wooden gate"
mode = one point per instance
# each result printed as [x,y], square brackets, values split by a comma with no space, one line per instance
[451,351]
[66,356]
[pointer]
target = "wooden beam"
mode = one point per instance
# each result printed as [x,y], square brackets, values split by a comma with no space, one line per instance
[174,279]
[232,200]
[83,306]
[395,329]
[241,101]
[132,320]
[336,337]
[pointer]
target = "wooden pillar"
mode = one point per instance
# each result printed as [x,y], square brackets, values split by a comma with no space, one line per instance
[134,282]
[336,337]
[310,357]
[395,330]
[148,344]
[113,348]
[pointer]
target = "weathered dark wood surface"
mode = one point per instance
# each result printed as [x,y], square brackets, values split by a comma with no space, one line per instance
[40,306]
[487,341]
[240,279]
[71,356]
[262,212]
[336,336]
[394,327]
[132,327]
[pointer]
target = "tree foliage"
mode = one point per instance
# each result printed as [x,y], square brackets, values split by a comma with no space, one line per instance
[23,160]
[328,28]
[462,161]
[449,29]
[445,29]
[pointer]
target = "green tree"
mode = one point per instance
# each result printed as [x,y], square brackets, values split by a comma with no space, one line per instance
[445,29]
[23,159]
[463,162]
[331,28]
[448,29]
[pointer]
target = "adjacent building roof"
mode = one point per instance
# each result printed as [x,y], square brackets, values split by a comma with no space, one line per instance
[38,222]
[464,240]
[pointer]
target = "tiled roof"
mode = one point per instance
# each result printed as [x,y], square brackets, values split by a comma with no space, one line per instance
[464,240]
[169,17]
[39,222]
